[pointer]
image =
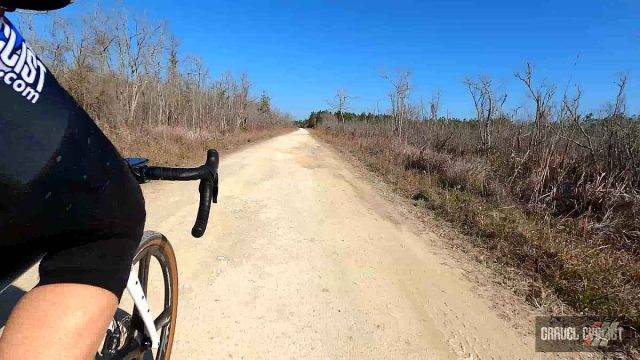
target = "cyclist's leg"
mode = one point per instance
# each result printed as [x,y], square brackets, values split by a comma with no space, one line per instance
[59,321]
[81,280]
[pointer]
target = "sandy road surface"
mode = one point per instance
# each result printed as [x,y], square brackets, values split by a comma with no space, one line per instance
[303,259]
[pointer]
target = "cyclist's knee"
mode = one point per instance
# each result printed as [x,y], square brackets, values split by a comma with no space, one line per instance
[62,321]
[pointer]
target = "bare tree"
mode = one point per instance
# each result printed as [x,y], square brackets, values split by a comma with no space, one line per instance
[488,106]
[399,98]
[434,105]
[139,52]
[340,103]
[570,115]
[242,101]
[620,106]
[542,95]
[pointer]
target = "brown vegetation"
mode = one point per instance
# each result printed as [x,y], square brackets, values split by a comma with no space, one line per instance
[148,98]
[556,197]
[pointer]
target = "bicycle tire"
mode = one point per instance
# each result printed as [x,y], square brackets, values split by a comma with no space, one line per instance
[153,244]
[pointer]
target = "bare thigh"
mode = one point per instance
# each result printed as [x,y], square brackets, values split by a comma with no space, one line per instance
[58,321]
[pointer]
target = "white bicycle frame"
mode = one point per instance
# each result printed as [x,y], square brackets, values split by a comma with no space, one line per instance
[135,290]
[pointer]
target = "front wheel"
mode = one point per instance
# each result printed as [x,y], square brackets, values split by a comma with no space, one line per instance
[156,268]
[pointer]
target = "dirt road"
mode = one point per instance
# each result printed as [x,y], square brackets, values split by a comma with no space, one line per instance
[303,259]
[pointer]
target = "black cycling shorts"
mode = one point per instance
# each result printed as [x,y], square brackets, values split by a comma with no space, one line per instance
[65,192]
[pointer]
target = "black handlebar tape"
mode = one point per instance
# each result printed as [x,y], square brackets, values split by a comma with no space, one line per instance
[176,174]
[206,191]
[208,170]
[208,176]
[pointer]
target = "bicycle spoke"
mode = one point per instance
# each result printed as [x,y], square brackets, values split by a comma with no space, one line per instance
[163,319]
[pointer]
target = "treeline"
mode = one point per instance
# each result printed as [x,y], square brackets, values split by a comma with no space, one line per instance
[556,195]
[318,117]
[128,71]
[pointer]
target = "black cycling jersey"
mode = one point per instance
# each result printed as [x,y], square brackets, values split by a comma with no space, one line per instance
[65,192]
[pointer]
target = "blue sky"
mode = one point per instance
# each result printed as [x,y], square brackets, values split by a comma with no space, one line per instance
[300,52]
